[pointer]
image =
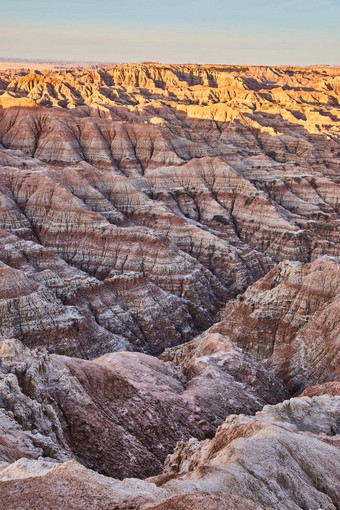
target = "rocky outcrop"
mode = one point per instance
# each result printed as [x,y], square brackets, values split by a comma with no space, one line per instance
[204,501]
[121,414]
[290,321]
[40,484]
[328,388]
[223,378]
[36,484]
[286,457]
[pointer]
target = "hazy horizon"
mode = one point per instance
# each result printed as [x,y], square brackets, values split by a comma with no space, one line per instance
[256,32]
[42,61]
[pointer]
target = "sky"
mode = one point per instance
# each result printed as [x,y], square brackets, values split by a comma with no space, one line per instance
[264,32]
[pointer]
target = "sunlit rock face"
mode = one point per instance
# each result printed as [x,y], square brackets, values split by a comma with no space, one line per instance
[136,200]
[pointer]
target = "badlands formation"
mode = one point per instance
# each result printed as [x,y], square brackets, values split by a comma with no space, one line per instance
[170,288]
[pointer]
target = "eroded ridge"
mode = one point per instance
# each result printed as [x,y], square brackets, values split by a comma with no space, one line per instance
[146,196]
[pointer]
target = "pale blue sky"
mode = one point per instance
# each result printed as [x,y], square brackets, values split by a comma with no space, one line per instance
[202,31]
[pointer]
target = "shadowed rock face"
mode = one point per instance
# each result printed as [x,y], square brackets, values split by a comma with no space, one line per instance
[187,182]
[290,321]
[121,414]
[286,457]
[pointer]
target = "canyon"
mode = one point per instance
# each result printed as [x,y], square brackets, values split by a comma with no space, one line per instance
[169,287]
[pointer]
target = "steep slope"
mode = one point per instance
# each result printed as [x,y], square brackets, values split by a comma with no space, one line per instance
[290,321]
